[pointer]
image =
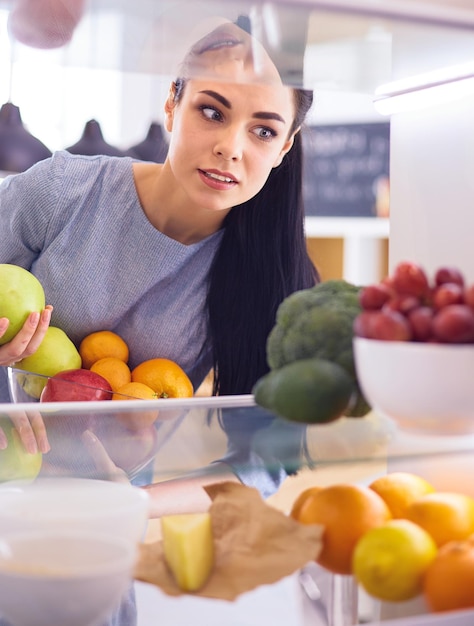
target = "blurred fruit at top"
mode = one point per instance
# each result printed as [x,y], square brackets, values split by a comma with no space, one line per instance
[409,305]
[165,377]
[399,489]
[114,370]
[55,354]
[446,516]
[15,462]
[21,294]
[76,385]
[346,512]
[389,561]
[101,344]
[311,391]
[449,581]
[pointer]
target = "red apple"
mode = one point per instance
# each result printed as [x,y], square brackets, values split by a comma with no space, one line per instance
[76,385]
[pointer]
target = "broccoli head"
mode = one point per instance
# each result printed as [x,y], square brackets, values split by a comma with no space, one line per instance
[316,322]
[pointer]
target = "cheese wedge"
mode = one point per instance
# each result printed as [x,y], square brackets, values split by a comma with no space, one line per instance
[188,548]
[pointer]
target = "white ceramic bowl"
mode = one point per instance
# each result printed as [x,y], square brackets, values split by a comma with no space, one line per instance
[424,387]
[95,506]
[73,578]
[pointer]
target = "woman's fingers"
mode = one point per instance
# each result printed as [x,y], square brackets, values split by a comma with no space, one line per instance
[27,340]
[31,430]
[102,460]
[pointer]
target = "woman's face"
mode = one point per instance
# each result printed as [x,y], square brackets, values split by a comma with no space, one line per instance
[232,123]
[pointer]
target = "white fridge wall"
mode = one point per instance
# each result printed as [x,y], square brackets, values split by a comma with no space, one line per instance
[432,187]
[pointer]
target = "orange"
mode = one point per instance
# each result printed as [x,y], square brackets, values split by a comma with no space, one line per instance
[399,489]
[346,512]
[446,516]
[101,344]
[136,420]
[165,377]
[134,391]
[303,504]
[449,581]
[114,370]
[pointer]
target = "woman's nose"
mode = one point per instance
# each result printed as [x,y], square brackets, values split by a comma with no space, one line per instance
[229,146]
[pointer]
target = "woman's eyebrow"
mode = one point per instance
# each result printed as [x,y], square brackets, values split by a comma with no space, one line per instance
[261,115]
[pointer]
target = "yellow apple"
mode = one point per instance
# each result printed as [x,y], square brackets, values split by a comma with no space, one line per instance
[15,462]
[55,354]
[188,547]
[22,293]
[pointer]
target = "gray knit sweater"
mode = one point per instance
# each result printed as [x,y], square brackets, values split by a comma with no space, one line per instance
[77,224]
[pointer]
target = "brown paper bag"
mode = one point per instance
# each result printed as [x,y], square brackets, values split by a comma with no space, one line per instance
[254,543]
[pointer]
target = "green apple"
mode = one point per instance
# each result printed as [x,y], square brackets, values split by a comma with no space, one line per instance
[21,293]
[15,462]
[55,354]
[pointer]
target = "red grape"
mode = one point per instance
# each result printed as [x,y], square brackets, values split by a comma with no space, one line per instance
[390,326]
[402,303]
[448,275]
[362,326]
[469,296]
[410,278]
[374,296]
[454,324]
[421,320]
[447,293]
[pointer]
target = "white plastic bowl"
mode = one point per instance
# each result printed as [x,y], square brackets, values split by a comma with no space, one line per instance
[424,387]
[95,506]
[73,578]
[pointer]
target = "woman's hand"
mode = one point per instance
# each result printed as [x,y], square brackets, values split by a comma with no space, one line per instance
[27,340]
[31,429]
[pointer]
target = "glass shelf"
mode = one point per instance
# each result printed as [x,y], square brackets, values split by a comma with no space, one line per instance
[192,433]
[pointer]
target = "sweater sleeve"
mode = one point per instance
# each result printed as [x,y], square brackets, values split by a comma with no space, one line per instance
[27,203]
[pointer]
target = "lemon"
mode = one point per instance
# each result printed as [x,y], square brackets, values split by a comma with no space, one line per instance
[312,391]
[389,561]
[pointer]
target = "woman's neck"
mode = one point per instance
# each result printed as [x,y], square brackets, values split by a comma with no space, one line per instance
[168,209]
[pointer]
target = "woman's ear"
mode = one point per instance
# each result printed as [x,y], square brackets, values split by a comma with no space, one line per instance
[286,148]
[170,105]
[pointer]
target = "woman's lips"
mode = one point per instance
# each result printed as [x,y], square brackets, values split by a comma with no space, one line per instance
[218,180]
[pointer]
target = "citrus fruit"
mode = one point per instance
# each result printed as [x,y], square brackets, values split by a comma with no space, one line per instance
[446,516]
[449,580]
[389,561]
[346,511]
[399,489]
[312,391]
[165,377]
[101,344]
[135,420]
[302,503]
[134,391]
[114,370]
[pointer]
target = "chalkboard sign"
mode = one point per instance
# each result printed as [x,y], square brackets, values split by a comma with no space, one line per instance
[346,169]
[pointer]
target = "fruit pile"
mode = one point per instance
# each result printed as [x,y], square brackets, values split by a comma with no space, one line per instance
[99,367]
[399,537]
[104,374]
[410,306]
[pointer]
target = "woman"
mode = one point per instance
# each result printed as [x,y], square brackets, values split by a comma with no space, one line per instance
[188,259]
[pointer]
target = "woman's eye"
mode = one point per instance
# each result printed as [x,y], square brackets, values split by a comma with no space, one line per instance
[210,113]
[265,133]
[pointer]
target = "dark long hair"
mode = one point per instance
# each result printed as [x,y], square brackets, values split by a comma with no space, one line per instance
[262,259]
